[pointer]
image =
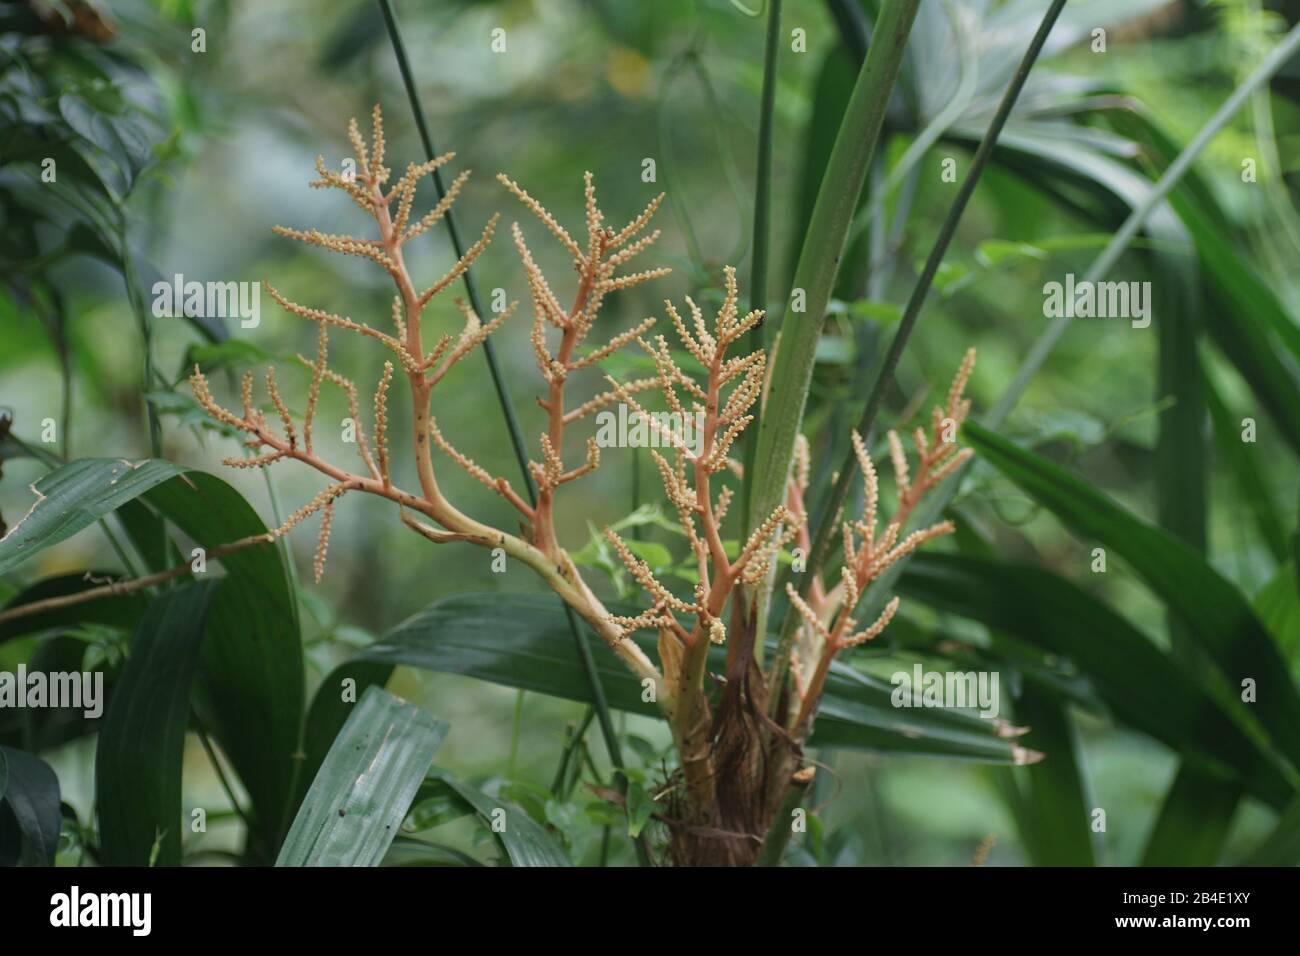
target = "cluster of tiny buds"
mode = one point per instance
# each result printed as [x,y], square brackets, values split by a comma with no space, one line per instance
[828,622]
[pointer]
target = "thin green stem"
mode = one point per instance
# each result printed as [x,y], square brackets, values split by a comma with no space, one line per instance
[136,298]
[761,243]
[515,726]
[225,782]
[151,377]
[819,261]
[59,322]
[571,742]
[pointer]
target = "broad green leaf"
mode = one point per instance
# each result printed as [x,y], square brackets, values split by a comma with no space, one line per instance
[251,691]
[830,97]
[333,701]
[1251,327]
[187,412]
[1194,820]
[1056,812]
[119,137]
[31,800]
[1278,606]
[857,712]
[1180,461]
[38,730]
[1282,846]
[142,743]
[231,353]
[435,805]
[357,802]
[1243,462]
[1058,782]
[831,93]
[640,807]
[148,534]
[1216,615]
[251,683]
[75,496]
[524,840]
[992,252]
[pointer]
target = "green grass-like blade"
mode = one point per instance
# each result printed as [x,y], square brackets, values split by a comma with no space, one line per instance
[524,840]
[1140,684]
[1058,808]
[1216,615]
[370,776]
[253,673]
[142,742]
[819,260]
[1192,826]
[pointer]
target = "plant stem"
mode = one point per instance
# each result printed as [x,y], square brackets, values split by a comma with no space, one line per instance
[251,830]
[514,733]
[819,260]
[59,323]
[119,588]
[146,334]
[762,237]
[136,298]
[848,470]
[503,398]
[570,744]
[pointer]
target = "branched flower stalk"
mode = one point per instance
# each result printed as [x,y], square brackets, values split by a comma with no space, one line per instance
[735,762]
[829,626]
